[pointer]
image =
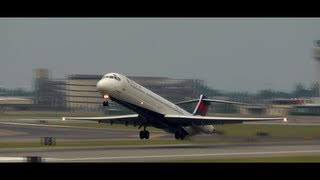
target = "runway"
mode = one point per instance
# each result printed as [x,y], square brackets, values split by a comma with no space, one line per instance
[159,153]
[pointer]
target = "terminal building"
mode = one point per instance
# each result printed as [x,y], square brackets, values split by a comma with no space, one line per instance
[15,103]
[49,93]
[313,107]
[81,93]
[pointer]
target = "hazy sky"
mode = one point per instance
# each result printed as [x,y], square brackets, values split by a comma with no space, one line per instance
[232,54]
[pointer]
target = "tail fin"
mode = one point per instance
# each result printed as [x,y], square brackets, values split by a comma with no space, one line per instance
[202,106]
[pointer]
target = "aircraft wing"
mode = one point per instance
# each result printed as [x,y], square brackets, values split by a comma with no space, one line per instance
[207,120]
[125,119]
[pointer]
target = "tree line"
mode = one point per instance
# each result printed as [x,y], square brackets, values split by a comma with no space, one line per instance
[15,92]
[299,91]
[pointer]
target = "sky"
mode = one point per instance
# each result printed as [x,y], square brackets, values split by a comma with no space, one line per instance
[229,54]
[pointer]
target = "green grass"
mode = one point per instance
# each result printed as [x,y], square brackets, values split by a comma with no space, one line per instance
[306,158]
[290,131]
[65,143]
[115,142]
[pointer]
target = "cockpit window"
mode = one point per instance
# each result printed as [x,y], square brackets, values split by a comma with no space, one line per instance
[116,77]
[112,77]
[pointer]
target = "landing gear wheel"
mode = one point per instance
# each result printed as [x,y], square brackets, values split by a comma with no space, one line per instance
[182,135]
[146,134]
[105,103]
[179,134]
[176,135]
[141,134]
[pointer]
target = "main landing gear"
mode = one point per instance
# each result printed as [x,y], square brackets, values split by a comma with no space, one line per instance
[144,134]
[180,134]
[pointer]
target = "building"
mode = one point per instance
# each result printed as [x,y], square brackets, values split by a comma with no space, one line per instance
[274,107]
[306,109]
[49,93]
[81,93]
[257,110]
[316,56]
[15,103]
[283,106]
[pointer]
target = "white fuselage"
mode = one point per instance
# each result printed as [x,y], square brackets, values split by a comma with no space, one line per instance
[124,89]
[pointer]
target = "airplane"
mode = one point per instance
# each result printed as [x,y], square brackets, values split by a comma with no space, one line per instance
[154,110]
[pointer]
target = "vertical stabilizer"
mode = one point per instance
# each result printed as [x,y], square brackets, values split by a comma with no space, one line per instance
[202,106]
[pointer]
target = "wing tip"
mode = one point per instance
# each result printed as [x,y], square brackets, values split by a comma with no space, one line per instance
[285,119]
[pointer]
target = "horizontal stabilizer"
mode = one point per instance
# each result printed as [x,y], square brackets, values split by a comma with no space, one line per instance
[211,100]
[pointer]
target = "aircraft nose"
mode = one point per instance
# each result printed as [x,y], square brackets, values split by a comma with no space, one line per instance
[102,86]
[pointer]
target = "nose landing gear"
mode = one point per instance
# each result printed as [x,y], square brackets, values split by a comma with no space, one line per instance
[105,103]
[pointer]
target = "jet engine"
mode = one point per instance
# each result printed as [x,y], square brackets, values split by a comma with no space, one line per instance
[207,129]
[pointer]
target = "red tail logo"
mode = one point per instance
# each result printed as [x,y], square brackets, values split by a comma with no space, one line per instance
[202,107]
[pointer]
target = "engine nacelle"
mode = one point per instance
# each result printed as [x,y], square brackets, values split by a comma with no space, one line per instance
[207,129]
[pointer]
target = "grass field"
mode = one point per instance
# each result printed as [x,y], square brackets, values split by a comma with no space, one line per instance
[242,130]
[87,143]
